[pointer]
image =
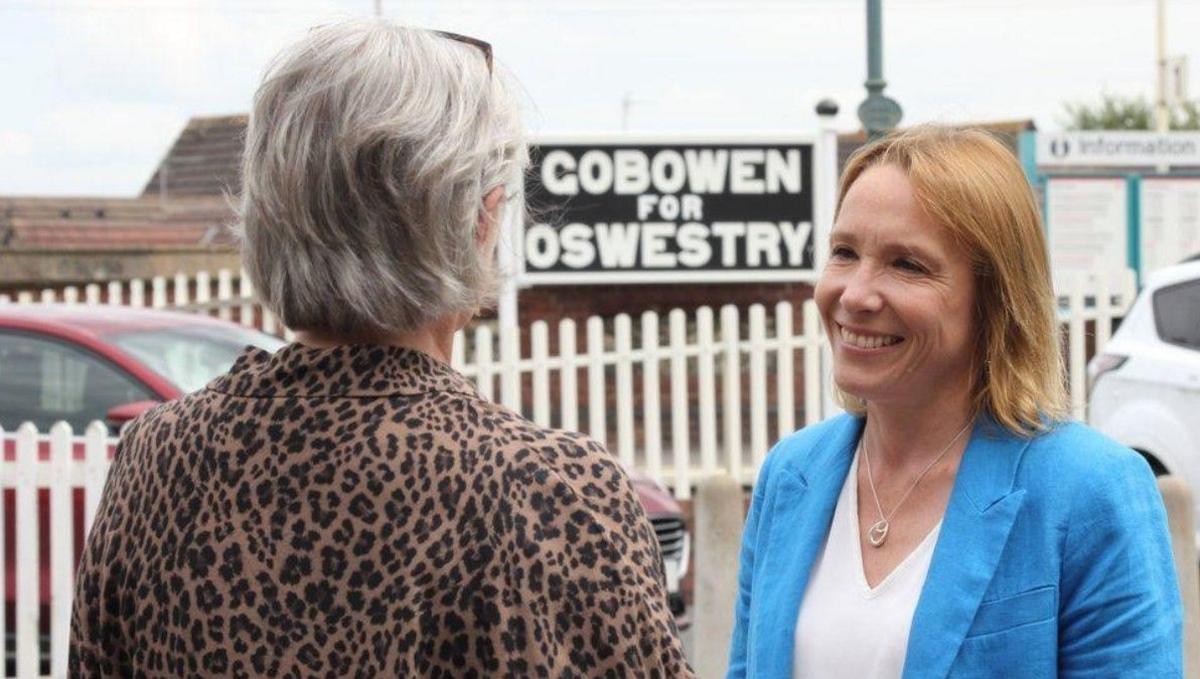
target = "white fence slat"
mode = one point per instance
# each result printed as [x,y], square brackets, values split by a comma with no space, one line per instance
[597,397]
[246,294]
[269,324]
[568,383]
[651,405]
[458,352]
[204,293]
[116,296]
[707,385]
[62,576]
[539,347]
[70,295]
[731,382]
[758,384]
[137,293]
[25,297]
[486,373]
[225,294]
[813,347]
[785,396]
[48,296]
[681,450]
[1078,373]
[28,592]
[624,348]
[91,294]
[95,451]
[181,291]
[510,376]
[5,299]
[158,292]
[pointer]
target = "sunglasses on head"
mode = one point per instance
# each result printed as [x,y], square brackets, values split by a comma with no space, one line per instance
[485,47]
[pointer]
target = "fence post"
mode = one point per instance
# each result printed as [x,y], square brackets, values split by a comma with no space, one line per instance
[785,381]
[624,349]
[1180,517]
[651,402]
[718,505]
[758,385]
[706,402]
[27,551]
[539,352]
[597,403]
[115,293]
[158,292]
[681,449]
[246,294]
[731,383]
[485,376]
[814,379]
[567,376]
[62,537]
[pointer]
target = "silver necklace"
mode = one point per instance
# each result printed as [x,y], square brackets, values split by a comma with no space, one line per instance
[878,532]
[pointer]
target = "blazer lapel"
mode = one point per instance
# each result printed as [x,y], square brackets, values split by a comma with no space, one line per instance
[975,528]
[802,502]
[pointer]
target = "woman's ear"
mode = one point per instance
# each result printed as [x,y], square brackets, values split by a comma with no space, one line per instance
[489,217]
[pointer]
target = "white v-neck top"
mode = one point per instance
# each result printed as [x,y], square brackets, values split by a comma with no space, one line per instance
[845,628]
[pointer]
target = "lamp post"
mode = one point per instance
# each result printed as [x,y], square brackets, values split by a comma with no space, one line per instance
[879,113]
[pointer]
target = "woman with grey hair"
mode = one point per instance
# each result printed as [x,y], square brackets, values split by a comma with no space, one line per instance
[351,505]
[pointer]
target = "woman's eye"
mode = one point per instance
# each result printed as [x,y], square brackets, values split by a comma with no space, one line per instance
[910,266]
[842,252]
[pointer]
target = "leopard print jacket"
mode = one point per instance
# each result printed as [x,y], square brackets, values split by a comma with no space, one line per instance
[363,511]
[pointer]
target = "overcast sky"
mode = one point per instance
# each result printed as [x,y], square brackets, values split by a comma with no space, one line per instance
[96,90]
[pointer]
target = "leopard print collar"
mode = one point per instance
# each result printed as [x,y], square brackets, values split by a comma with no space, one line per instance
[353,370]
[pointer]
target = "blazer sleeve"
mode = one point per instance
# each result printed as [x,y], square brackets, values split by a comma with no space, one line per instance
[1120,609]
[738,649]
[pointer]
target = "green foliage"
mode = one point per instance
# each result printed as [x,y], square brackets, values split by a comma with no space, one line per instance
[1115,112]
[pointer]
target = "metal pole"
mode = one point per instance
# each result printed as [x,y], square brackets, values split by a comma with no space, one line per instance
[875,82]
[879,113]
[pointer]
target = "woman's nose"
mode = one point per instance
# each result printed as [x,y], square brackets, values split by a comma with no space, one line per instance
[861,293]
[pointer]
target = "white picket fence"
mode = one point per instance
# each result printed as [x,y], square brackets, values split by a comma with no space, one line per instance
[60,464]
[676,397]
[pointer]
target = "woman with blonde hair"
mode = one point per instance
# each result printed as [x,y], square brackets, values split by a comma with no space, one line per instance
[351,506]
[953,522]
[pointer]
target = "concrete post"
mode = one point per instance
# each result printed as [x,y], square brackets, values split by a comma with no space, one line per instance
[1180,516]
[719,516]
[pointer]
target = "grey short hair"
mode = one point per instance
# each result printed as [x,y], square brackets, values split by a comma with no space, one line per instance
[369,151]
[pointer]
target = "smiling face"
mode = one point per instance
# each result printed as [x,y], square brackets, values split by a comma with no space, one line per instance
[897,297]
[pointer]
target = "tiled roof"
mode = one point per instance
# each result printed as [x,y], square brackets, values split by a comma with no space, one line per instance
[112,223]
[205,159]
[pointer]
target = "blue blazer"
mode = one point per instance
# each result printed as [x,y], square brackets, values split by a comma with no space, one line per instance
[1053,559]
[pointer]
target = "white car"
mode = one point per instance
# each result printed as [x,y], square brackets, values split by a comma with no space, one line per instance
[1146,383]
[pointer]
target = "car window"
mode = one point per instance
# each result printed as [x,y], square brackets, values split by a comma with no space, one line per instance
[1177,314]
[191,356]
[44,381]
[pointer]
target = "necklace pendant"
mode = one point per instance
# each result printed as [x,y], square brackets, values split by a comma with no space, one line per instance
[878,532]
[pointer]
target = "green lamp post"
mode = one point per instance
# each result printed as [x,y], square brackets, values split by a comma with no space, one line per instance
[879,113]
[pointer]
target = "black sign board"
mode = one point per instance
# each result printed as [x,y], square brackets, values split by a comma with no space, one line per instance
[643,212]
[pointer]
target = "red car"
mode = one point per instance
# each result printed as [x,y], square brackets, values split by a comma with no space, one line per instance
[78,364]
